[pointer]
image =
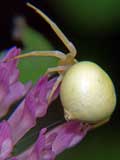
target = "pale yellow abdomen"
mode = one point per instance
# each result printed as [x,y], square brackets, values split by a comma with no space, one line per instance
[87,93]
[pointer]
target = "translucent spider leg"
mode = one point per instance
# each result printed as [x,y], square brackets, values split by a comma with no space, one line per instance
[56,29]
[56,54]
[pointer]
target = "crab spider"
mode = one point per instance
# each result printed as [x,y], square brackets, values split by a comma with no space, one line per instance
[87,92]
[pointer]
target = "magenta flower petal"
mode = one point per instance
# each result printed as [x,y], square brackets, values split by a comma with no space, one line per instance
[12,52]
[4,83]
[6,144]
[11,66]
[34,105]
[15,92]
[50,144]
[35,150]
[68,135]
[11,89]
[37,98]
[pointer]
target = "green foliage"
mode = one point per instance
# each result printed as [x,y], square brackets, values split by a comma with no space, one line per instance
[31,68]
[34,40]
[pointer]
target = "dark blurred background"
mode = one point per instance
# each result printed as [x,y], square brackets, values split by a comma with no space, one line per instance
[94,28]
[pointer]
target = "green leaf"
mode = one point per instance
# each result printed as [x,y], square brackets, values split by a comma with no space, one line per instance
[32,68]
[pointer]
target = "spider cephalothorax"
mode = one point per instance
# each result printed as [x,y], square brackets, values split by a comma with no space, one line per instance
[87,92]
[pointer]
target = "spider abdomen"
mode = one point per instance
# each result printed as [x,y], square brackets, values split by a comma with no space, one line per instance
[87,93]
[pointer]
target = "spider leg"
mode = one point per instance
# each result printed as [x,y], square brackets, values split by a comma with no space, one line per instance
[56,54]
[58,69]
[56,29]
[56,84]
[100,123]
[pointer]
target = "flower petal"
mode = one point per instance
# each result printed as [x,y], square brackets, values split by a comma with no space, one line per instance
[11,89]
[34,105]
[4,83]
[11,66]
[6,144]
[15,92]
[50,144]
[67,135]
[36,151]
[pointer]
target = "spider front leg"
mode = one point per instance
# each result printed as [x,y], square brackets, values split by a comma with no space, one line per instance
[56,29]
[56,54]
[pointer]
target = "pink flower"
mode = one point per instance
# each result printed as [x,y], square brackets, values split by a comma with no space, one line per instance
[50,144]
[34,105]
[6,144]
[11,89]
